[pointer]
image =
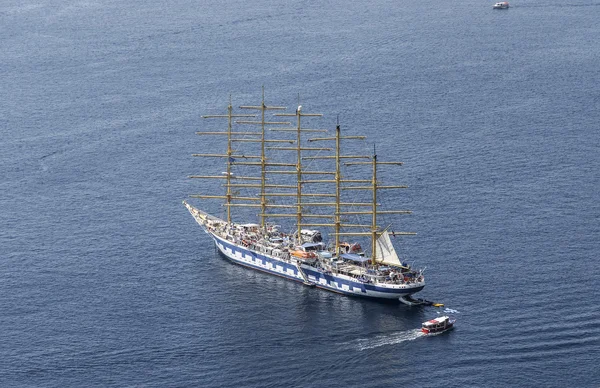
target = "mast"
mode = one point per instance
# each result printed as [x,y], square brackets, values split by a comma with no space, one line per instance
[374,210]
[375,231]
[263,160]
[299,171]
[298,174]
[337,223]
[337,220]
[228,174]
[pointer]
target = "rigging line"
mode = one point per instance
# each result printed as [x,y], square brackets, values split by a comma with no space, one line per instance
[358,219]
[315,162]
[246,170]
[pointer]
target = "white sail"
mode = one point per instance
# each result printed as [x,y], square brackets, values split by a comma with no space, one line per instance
[386,254]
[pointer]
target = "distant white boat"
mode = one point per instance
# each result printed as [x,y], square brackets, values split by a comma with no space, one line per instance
[438,325]
[501,5]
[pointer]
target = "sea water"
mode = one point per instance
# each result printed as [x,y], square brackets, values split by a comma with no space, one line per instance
[106,280]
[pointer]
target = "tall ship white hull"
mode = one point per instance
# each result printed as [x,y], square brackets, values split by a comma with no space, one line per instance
[292,269]
[282,187]
[328,281]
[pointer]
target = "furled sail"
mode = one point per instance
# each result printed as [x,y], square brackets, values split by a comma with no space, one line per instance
[386,254]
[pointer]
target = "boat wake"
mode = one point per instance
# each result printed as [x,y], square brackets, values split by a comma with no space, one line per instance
[387,339]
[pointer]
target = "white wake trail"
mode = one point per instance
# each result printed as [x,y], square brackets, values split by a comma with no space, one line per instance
[387,339]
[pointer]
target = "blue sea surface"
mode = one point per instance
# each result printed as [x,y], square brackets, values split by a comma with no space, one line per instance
[106,280]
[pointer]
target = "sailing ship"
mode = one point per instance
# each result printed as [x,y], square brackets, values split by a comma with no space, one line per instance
[302,255]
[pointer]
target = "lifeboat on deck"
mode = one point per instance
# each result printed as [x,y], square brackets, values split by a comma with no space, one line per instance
[303,255]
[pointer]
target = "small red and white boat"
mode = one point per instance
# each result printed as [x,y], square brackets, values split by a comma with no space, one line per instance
[438,325]
[501,5]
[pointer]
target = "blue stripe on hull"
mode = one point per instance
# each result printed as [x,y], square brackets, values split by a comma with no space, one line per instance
[354,288]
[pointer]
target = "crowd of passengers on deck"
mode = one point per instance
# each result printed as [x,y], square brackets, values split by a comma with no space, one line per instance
[251,238]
